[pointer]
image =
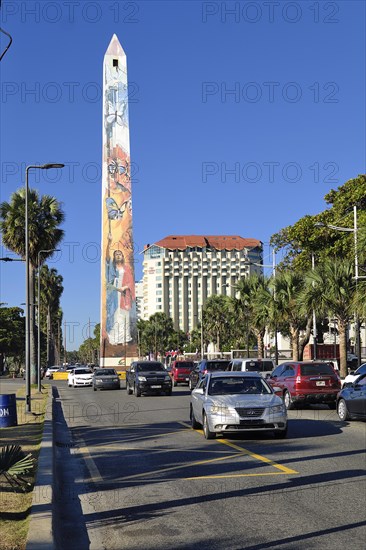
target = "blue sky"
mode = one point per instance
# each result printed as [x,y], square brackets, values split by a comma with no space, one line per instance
[243,115]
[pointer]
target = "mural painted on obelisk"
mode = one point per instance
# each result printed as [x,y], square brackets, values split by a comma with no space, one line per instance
[118,315]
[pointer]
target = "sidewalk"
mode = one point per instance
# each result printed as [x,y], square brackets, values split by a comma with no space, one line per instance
[40,536]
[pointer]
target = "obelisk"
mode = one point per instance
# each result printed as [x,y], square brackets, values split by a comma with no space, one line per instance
[118,299]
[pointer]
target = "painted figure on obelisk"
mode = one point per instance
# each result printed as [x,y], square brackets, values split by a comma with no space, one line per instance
[118,300]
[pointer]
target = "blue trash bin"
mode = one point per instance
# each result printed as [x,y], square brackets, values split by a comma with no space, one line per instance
[8,410]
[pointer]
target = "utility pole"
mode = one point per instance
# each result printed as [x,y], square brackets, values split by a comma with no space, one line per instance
[65,352]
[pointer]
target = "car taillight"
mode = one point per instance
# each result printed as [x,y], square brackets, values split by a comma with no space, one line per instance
[298,379]
[205,371]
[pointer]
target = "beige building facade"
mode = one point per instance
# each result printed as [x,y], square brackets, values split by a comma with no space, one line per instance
[181,271]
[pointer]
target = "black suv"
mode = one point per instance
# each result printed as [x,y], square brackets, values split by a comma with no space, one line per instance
[147,376]
[205,366]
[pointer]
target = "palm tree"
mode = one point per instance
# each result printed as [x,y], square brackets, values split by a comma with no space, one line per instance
[216,316]
[287,286]
[44,217]
[51,291]
[254,299]
[331,288]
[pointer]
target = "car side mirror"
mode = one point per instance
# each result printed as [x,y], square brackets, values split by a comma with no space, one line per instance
[277,391]
[356,387]
[199,391]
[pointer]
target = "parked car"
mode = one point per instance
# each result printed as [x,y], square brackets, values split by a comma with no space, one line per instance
[205,366]
[105,379]
[352,377]
[263,366]
[351,401]
[306,382]
[147,376]
[225,402]
[80,376]
[51,370]
[180,372]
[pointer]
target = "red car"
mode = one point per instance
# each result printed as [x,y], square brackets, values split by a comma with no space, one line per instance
[180,372]
[304,382]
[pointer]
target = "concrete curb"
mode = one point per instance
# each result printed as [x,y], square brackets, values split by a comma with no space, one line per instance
[40,536]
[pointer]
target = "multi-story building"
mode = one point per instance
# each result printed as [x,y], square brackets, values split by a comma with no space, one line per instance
[139,286]
[182,271]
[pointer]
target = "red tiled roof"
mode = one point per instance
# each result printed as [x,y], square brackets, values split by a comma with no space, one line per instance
[219,242]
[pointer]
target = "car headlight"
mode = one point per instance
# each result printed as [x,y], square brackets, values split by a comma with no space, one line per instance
[167,377]
[142,378]
[98,381]
[115,379]
[277,409]
[219,409]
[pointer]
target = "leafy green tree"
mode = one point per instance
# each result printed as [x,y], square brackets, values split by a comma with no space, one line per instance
[330,288]
[156,334]
[51,292]
[44,217]
[216,319]
[287,286]
[254,299]
[305,237]
[12,334]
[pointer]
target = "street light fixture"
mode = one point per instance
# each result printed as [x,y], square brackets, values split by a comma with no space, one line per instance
[28,408]
[39,315]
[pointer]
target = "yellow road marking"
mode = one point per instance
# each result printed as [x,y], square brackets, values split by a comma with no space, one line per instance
[268,461]
[236,475]
[181,466]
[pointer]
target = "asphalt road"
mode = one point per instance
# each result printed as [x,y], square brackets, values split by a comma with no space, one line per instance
[134,475]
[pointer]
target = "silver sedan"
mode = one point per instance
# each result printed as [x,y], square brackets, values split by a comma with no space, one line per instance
[237,402]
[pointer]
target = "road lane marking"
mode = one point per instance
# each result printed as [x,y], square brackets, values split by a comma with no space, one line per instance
[181,466]
[95,476]
[256,456]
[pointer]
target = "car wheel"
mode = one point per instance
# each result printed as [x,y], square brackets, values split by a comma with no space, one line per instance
[128,388]
[206,429]
[332,405]
[169,392]
[280,434]
[195,425]
[94,388]
[342,410]
[288,401]
[136,391]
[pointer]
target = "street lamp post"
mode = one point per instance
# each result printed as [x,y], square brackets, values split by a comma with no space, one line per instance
[39,315]
[28,407]
[353,230]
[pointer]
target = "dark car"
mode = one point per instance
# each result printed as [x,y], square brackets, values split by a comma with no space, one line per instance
[351,401]
[147,376]
[304,382]
[180,372]
[105,379]
[205,366]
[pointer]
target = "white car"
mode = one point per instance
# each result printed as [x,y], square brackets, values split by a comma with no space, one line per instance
[225,402]
[80,376]
[351,378]
[50,371]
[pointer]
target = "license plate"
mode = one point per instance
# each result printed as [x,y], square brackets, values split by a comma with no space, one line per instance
[154,387]
[320,383]
[187,379]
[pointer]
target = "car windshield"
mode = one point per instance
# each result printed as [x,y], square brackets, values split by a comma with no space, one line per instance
[316,368]
[259,366]
[186,365]
[236,385]
[105,372]
[82,371]
[149,367]
[217,365]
